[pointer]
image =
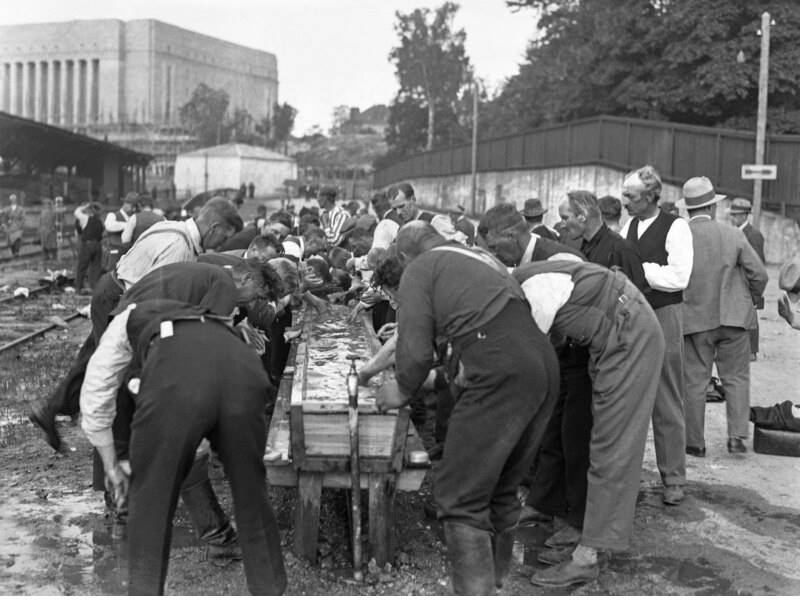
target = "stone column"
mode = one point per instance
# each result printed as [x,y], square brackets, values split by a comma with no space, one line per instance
[63,94]
[13,91]
[37,91]
[91,106]
[26,90]
[76,91]
[52,88]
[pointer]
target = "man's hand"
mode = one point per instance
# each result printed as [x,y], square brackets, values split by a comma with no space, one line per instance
[117,483]
[354,314]
[785,310]
[253,336]
[390,397]
[386,331]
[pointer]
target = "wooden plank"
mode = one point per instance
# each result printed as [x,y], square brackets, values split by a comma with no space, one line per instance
[409,480]
[306,523]
[326,434]
[381,517]
[342,464]
[400,438]
[296,428]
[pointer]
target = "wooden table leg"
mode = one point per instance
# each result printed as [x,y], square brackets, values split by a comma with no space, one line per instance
[382,488]
[306,522]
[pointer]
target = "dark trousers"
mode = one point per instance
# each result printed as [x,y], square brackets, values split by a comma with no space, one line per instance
[754,339]
[15,246]
[201,382]
[66,399]
[509,377]
[90,258]
[558,478]
[382,313]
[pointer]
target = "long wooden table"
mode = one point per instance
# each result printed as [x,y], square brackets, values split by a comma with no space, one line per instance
[296,458]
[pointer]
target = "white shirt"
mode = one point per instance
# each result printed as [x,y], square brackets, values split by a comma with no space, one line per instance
[82,216]
[111,223]
[162,244]
[383,236]
[528,254]
[104,374]
[674,276]
[547,293]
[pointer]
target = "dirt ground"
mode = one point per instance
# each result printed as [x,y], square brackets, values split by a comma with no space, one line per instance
[736,533]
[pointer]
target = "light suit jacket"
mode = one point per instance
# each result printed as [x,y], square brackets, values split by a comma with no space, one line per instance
[727,276]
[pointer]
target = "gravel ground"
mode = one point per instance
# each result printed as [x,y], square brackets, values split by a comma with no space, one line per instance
[735,534]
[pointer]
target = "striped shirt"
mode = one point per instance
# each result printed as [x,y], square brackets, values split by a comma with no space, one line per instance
[332,222]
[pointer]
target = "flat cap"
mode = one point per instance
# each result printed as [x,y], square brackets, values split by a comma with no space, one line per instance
[328,190]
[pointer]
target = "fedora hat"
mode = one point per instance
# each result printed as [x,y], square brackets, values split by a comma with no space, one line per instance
[740,206]
[789,275]
[533,208]
[699,192]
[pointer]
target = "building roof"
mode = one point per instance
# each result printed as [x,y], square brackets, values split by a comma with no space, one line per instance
[238,151]
[48,146]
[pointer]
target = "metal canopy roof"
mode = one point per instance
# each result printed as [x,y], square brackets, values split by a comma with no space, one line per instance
[48,147]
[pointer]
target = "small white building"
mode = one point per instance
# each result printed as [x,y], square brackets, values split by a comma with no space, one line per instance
[230,166]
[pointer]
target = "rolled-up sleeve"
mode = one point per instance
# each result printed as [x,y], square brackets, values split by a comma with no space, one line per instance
[674,276]
[416,325]
[104,375]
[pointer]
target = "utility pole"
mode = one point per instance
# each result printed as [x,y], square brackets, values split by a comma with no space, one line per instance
[761,125]
[474,187]
[206,175]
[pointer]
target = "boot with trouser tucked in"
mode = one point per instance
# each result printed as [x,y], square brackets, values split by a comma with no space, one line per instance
[503,548]
[471,559]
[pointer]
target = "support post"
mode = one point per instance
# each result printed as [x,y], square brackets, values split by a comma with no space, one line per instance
[761,126]
[474,185]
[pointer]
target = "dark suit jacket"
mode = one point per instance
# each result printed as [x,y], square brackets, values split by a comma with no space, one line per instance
[756,240]
[727,276]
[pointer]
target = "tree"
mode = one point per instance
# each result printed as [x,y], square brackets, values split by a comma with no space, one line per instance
[432,69]
[282,123]
[204,114]
[341,114]
[659,59]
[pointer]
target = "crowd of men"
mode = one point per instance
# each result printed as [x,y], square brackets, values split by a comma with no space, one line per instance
[539,345]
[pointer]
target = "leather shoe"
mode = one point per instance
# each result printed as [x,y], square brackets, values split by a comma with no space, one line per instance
[555,556]
[698,451]
[736,446]
[567,573]
[673,495]
[40,417]
[566,536]
[529,516]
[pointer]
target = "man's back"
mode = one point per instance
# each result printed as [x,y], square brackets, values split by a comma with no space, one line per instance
[723,284]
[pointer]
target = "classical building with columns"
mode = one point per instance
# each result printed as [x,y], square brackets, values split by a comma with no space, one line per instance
[125,81]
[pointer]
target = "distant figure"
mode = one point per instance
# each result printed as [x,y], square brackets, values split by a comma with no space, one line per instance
[261,216]
[611,209]
[47,230]
[143,218]
[670,208]
[462,223]
[115,223]
[251,190]
[91,253]
[740,211]
[533,211]
[14,218]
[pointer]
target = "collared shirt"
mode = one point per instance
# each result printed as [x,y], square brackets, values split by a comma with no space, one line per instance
[527,256]
[444,295]
[82,216]
[674,276]
[383,236]
[332,222]
[608,249]
[164,243]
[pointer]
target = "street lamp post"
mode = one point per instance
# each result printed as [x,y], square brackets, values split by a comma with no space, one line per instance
[474,186]
[761,125]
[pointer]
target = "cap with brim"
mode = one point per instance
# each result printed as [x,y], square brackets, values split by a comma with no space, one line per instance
[789,276]
[740,206]
[533,208]
[698,192]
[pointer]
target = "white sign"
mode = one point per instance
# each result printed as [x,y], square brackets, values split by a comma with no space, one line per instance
[759,171]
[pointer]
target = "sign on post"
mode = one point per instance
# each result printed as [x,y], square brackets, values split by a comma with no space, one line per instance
[759,171]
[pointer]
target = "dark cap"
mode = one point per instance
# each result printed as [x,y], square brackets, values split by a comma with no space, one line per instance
[740,206]
[532,208]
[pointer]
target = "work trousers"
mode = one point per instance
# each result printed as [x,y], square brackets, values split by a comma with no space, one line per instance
[66,398]
[200,382]
[15,246]
[558,479]
[753,334]
[669,424]
[624,392]
[90,258]
[731,346]
[508,386]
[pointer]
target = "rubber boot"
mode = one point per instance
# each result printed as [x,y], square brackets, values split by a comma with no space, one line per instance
[503,548]
[471,561]
[210,522]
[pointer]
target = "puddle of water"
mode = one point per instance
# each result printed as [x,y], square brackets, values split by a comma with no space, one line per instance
[696,574]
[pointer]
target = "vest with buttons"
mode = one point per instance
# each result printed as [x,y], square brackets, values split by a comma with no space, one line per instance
[144,220]
[652,248]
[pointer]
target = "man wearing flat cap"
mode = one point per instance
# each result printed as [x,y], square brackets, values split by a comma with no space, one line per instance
[533,211]
[718,311]
[740,211]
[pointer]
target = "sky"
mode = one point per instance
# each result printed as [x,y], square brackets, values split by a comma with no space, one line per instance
[330,52]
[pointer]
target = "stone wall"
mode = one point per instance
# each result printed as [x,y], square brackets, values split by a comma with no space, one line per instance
[782,235]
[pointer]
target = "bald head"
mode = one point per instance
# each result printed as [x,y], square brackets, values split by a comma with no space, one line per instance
[416,237]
